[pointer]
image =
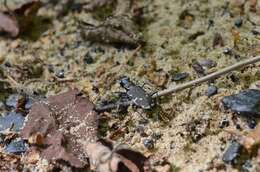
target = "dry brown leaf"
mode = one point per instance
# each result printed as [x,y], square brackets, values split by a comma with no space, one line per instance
[61,123]
[115,30]
[19,20]
[103,159]
[65,126]
[9,25]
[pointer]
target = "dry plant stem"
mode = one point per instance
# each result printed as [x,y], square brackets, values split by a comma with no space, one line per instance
[207,77]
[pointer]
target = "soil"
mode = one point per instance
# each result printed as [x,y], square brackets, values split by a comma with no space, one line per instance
[185,126]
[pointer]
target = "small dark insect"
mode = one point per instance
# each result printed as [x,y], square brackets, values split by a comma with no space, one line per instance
[134,95]
[137,94]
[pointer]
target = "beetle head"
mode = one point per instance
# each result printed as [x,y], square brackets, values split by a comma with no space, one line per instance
[125,82]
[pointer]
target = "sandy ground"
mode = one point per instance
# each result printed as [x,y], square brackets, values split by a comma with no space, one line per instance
[186,128]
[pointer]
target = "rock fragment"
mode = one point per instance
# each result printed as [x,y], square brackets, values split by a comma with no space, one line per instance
[245,103]
[16,147]
[232,153]
[12,120]
[212,90]
[180,76]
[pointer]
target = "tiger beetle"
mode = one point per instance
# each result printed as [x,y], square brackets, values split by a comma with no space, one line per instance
[134,95]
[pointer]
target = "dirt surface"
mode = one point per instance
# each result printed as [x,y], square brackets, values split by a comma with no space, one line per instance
[185,127]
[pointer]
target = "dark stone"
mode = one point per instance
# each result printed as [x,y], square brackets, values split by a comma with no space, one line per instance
[212,90]
[28,103]
[238,127]
[245,103]
[227,51]
[88,59]
[11,120]
[60,74]
[16,147]
[251,123]
[210,23]
[13,100]
[180,76]
[1,138]
[223,123]
[255,32]
[232,153]
[198,68]
[207,63]
[18,101]
[218,40]
[238,22]
[148,143]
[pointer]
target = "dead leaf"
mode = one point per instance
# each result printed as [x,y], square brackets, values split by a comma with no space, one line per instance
[63,121]
[252,5]
[65,126]
[103,159]
[9,25]
[217,40]
[20,19]
[115,30]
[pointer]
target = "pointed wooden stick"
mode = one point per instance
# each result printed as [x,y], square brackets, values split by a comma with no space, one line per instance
[208,77]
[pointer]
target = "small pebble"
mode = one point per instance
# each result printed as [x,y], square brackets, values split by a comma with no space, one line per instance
[88,59]
[148,143]
[180,76]
[13,100]
[232,153]
[28,103]
[255,32]
[60,74]
[207,63]
[210,23]
[251,123]
[16,147]
[244,103]
[238,127]
[227,51]
[212,90]
[198,68]
[238,22]
[11,120]
[223,123]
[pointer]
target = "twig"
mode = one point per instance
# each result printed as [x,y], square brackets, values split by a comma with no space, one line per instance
[207,77]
